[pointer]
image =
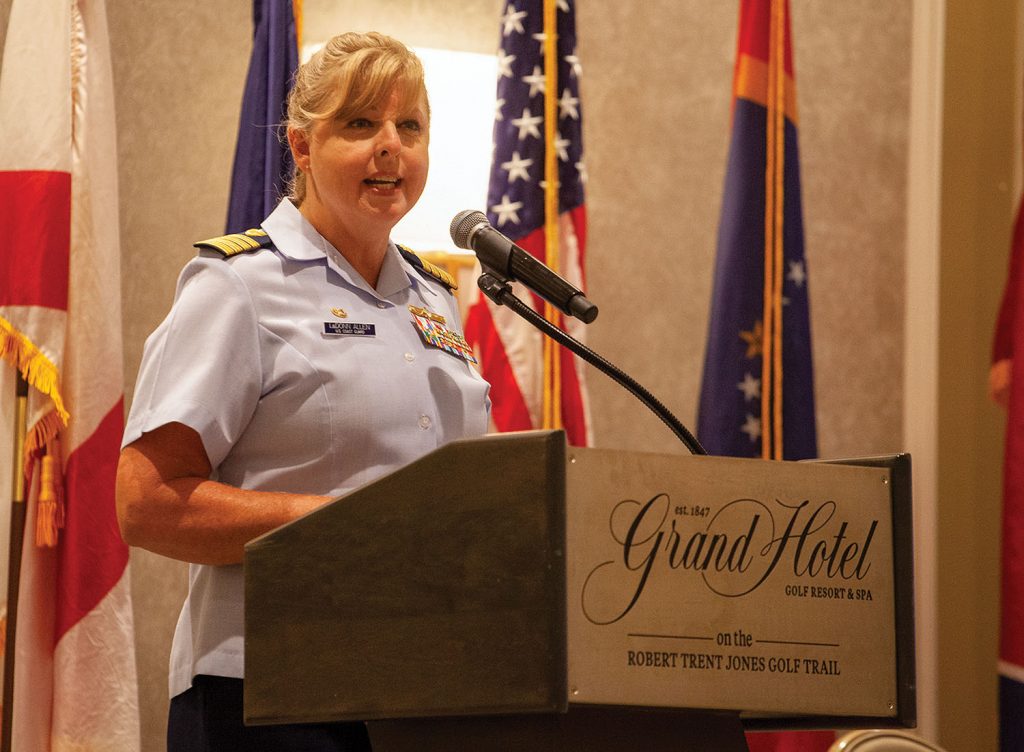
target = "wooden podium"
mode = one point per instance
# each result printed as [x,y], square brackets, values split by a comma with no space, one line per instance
[509,592]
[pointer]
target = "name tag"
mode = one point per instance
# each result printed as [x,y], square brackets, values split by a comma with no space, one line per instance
[348,328]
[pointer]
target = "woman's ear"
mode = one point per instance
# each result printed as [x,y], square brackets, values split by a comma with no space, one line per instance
[299,143]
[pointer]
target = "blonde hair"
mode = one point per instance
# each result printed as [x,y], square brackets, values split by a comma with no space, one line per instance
[351,73]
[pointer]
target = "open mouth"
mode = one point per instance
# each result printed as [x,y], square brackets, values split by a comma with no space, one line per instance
[383,182]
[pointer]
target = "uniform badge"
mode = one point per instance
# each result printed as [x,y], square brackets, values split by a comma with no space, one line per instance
[417,311]
[340,313]
[436,334]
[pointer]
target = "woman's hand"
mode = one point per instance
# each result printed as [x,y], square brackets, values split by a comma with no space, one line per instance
[167,504]
[999,376]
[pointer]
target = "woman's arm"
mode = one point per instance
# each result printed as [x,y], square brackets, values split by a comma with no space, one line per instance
[167,504]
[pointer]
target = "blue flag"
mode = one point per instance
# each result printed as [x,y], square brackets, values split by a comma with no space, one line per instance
[757,395]
[263,162]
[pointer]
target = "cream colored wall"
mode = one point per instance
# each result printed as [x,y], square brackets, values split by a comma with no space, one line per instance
[980,130]
[656,87]
[656,98]
[178,72]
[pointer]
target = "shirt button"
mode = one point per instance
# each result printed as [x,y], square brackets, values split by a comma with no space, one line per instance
[410,357]
[424,422]
[381,304]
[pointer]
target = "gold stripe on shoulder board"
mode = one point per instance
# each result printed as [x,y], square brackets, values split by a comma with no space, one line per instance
[239,242]
[431,270]
[436,271]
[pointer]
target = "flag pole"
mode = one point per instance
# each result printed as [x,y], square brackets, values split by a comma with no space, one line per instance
[552,395]
[14,555]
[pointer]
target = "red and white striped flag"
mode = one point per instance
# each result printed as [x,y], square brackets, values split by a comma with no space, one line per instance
[60,322]
[537,134]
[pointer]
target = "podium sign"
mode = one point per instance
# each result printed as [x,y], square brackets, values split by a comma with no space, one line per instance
[510,577]
[706,582]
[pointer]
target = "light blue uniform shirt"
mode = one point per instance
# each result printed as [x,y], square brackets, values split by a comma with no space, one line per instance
[243,358]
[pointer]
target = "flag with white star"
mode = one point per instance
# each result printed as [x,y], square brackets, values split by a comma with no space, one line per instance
[757,396]
[511,354]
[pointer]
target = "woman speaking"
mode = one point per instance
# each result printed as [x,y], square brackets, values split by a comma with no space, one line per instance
[291,369]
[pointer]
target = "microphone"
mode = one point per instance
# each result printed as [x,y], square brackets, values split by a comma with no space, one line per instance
[471,231]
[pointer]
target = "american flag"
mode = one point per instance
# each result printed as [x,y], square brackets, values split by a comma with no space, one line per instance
[510,351]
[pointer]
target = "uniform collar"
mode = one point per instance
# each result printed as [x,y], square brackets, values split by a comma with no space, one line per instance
[295,238]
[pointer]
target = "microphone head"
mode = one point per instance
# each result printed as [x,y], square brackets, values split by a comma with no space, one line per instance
[463,225]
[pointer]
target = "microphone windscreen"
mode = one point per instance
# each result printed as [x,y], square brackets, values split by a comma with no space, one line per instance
[463,224]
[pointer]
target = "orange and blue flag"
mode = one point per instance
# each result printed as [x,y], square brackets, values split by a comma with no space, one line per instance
[757,396]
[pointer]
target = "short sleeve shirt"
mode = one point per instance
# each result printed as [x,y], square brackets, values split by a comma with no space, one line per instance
[299,377]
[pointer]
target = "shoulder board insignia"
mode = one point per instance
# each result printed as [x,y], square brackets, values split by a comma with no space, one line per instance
[429,269]
[239,242]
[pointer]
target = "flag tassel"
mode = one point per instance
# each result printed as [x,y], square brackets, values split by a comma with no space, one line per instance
[51,503]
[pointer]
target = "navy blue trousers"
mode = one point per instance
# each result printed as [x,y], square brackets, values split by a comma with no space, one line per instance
[208,718]
[1011,717]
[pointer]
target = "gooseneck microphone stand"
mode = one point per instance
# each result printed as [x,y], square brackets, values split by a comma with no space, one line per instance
[499,290]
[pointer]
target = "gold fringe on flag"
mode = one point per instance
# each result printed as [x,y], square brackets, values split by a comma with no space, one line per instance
[41,439]
[41,436]
[38,370]
[552,404]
